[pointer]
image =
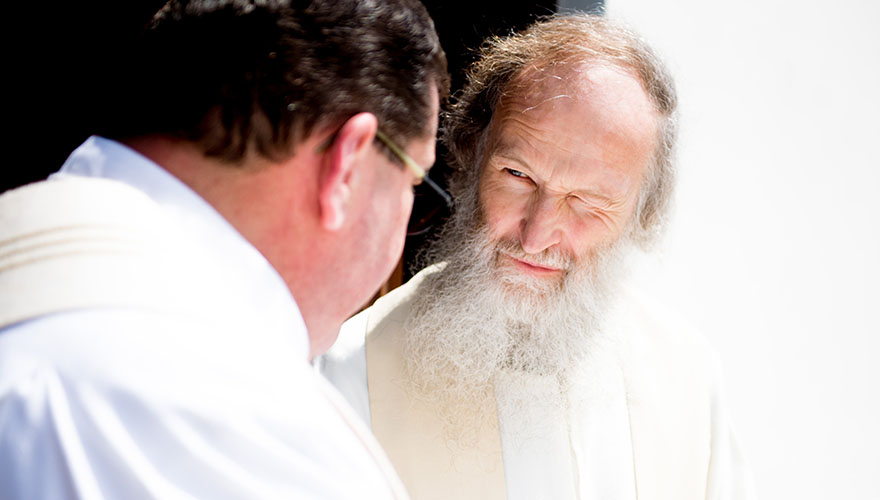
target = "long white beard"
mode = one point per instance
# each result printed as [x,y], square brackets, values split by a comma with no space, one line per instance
[475,319]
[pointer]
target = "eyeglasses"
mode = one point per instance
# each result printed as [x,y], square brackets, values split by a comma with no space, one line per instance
[420,174]
[418,224]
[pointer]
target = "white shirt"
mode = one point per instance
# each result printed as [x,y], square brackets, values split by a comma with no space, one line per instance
[216,400]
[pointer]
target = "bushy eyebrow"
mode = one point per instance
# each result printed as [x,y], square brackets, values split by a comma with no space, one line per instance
[508,152]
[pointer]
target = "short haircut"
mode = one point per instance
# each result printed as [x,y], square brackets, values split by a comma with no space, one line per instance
[242,76]
[564,40]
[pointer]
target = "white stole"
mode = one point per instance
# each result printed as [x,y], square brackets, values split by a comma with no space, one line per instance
[411,433]
[71,243]
[664,376]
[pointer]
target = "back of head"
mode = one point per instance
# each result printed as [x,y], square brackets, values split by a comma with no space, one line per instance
[556,43]
[237,77]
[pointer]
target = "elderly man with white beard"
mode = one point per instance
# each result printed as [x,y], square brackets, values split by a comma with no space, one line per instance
[516,365]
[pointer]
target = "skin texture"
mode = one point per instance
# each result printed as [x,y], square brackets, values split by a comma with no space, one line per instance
[566,156]
[331,220]
[381,230]
[364,200]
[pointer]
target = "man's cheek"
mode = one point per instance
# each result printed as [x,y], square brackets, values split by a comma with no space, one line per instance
[498,224]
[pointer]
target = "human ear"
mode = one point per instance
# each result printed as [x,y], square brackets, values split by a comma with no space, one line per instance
[337,182]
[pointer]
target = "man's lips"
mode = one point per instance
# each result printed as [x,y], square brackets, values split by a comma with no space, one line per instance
[531,267]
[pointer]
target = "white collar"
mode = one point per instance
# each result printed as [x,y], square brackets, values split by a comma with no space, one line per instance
[252,276]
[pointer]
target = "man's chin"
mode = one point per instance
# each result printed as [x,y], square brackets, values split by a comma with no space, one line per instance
[527,289]
[520,274]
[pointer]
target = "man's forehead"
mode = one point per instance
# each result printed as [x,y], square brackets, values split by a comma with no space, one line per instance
[540,86]
[595,115]
[595,98]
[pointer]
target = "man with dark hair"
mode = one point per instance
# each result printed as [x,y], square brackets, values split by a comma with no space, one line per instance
[516,365]
[161,296]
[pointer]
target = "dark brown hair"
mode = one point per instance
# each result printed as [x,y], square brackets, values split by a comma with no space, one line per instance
[236,76]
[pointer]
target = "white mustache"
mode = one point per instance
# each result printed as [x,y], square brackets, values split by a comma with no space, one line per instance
[553,258]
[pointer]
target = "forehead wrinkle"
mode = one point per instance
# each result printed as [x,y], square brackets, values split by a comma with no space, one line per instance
[525,118]
[529,135]
[519,137]
[524,153]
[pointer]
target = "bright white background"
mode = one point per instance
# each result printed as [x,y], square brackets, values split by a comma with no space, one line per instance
[774,251]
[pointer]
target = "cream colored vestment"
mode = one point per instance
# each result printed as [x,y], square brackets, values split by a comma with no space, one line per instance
[647,423]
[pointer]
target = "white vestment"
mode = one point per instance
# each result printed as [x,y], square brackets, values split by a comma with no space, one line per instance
[645,419]
[147,350]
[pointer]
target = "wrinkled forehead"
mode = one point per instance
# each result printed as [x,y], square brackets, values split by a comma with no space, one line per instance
[565,107]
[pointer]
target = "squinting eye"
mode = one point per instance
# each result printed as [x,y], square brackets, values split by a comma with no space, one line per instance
[579,201]
[516,173]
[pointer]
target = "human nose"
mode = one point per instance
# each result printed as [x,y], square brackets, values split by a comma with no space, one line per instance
[540,229]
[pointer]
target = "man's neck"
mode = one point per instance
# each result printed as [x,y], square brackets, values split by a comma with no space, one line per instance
[268,203]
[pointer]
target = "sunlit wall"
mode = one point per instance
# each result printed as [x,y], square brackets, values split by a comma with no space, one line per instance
[775,247]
